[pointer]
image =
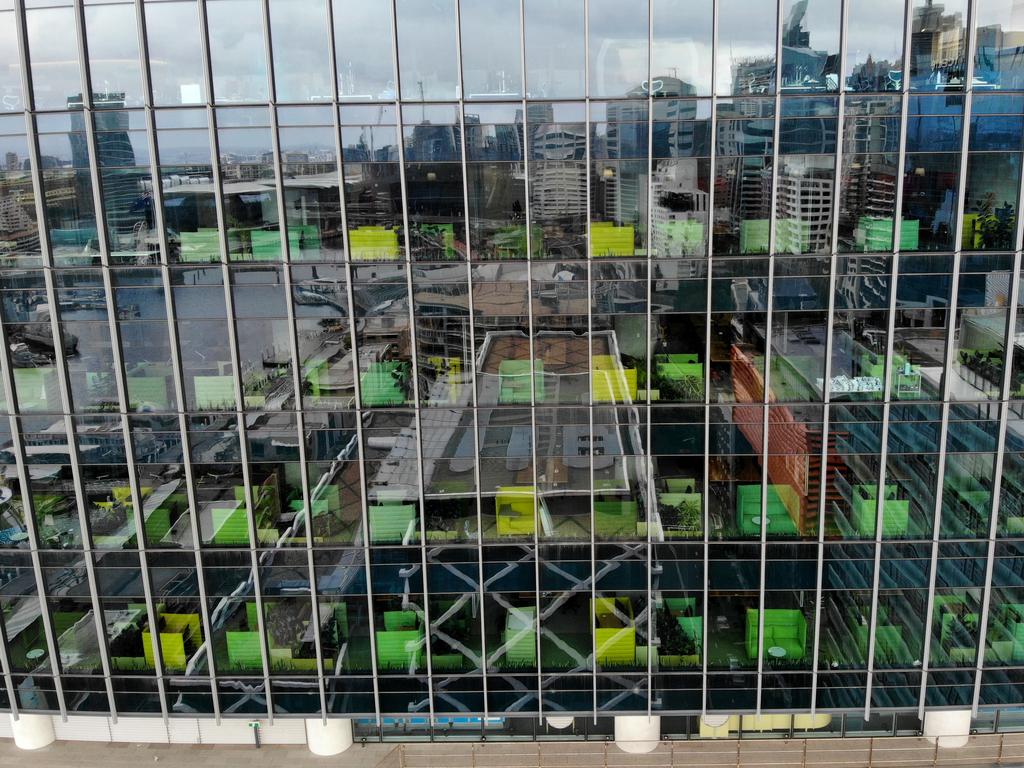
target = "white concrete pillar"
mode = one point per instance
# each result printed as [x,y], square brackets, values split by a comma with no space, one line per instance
[948,728]
[32,731]
[330,739]
[560,723]
[637,734]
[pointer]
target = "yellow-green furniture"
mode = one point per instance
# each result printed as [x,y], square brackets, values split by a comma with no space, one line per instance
[614,631]
[514,509]
[611,382]
[180,631]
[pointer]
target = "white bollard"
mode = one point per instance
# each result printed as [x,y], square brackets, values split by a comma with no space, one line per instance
[330,739]
[33,731]
[637,734]
[948,728]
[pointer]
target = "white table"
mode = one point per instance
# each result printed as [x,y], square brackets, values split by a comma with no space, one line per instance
[777,652]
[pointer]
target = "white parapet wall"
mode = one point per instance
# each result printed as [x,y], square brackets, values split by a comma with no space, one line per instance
[637,734]
[948,728]
[32,731]
[328,738]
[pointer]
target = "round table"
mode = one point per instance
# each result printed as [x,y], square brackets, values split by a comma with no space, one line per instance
[35,653]
[777,652]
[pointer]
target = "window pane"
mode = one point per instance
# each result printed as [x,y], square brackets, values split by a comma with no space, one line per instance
[937,40]
[874,45]
[238,50]
[11,97]
[175,53]
[810,45]
[53,51]
[428,67]
[745,59]
[302,66]
[114,53]
[364,49]
[618,48]
[997,62]
[555,54]
[491,58]
[682,47]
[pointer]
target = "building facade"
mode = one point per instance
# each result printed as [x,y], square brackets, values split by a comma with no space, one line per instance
[495,368]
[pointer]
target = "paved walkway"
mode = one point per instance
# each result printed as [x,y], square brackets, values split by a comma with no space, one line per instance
[87,754]
[982,751]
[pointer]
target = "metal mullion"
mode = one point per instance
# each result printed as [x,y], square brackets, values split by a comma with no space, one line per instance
[24,62]
[178,382]
[294,349]
[986,600]
[471,324]
[190,491]
[777,100]
[764,477]
[133,484]
[533,399]
[60,367]
[890,342]
[83,59]
[147,76]
[648,474]
[939,480]
[122,390]
[883,458]
[30,525]
[44,248]
[269,52]
[950,345]
[590,463]
[414,353]
[356,404]
[827,381]
[356,383]
[28,503]
[766,398]
[76,475]
[970,45]
[297,399]
[6,382]
[837,178]
[533,373]
[204,33]
[179,388]
[708,287]
[826,414]
[589,259]
[239,412]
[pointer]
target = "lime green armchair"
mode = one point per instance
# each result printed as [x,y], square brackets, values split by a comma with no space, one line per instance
[785,634]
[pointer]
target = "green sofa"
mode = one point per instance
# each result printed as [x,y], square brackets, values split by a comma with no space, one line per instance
[391,523]
[783,628]
[514,381]
[520,637]
[381,384]
[748,510]
[400,644]
[895,512]
[615,519]
[681,373]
